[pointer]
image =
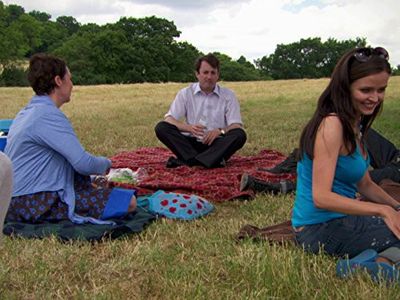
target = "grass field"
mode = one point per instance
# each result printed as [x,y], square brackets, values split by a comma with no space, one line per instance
[185,260]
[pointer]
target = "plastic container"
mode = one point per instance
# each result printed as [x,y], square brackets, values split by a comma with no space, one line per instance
[5,124]
[3,142]
[126,175]
[4,128]
[202,121]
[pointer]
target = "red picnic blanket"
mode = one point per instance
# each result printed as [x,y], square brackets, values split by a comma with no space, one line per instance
[220,184]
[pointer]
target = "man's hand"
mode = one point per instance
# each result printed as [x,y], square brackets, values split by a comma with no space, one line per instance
[210,136]
[196,130]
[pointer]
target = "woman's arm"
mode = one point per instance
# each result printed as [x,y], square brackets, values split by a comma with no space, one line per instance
[57,133]
[374,193]
[328,146]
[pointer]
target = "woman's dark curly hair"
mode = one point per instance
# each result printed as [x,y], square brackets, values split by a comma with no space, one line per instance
[43,68]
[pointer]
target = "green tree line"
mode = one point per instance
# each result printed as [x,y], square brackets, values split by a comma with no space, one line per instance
[143,50]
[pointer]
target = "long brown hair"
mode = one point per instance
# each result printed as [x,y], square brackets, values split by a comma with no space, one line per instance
[336,99]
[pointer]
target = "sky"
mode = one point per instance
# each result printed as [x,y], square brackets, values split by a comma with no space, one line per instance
[252,28]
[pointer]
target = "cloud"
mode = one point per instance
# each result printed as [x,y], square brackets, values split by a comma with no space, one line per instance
[256,29]
[99,9]
[298,5]
[184,4]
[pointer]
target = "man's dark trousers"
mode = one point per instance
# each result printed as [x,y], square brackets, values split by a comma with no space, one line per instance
[193,152]
[384,156]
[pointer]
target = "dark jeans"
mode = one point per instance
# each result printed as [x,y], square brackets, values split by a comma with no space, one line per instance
[188,148]
[349,235]
[383,156]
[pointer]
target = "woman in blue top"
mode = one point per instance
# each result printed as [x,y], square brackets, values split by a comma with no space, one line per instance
[333,165]
[51,168]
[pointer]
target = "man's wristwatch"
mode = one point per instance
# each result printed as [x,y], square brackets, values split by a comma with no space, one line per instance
[397,207]
[222,131]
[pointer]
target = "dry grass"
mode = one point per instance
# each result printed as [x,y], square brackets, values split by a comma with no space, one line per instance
[181,260]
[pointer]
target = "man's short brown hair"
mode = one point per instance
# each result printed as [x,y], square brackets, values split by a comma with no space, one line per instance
[210,58]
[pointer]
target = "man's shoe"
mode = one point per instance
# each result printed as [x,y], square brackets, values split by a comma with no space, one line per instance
[244,182]
[222,164]
[250,182]
[396,159]
[287,186]
[289,165]
[174,162]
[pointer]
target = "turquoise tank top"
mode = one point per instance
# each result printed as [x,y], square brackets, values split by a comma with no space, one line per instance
[350,169]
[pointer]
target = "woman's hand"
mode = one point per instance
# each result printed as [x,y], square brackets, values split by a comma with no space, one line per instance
[132,204]
[392,220]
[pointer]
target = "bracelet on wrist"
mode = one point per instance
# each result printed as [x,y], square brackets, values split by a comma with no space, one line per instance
[397,207]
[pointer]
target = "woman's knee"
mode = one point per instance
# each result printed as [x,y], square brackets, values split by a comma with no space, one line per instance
[5,188]
[6,178]
[161,128]
[5,167]
[240,135]
[243,135]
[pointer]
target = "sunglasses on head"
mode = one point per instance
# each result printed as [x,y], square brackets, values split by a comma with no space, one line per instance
[365,54]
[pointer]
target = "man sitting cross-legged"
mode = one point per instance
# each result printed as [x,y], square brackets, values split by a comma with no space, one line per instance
[212,131]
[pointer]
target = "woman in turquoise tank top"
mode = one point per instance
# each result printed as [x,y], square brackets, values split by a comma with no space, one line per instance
[328,213]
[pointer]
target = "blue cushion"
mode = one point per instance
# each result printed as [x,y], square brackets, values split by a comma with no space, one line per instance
[176,205]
